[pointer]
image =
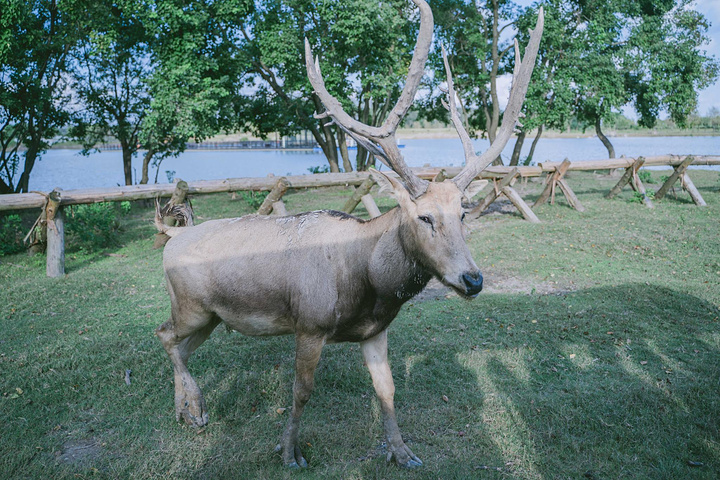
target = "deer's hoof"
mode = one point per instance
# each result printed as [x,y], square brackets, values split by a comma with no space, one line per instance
[296,461]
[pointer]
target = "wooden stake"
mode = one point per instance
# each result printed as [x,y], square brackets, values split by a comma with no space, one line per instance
[275,195]
[570,195]
[357,195]
[680,172]
[55,266]
[278,208]
[690,188]
[638,186]
[370,206]
[494,193]
[549,189]
[520,204]
[630,172]
[441,176]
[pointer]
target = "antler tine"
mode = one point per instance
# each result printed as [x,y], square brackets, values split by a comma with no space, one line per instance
[415,71]
[333,106]
[380,141]
[454,116]
[521,80]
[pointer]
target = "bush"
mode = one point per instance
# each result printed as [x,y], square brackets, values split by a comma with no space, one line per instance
[11,235]
[94,226]
[254,199]
[319,169]
[645,176]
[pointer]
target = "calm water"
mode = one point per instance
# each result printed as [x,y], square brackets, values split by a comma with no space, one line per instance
[69,170]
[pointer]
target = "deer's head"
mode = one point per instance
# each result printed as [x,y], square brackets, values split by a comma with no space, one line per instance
[432,212]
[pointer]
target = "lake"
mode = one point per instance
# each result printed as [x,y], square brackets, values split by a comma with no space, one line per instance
[68,169]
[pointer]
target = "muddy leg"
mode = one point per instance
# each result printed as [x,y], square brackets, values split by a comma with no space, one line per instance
[307,355]
[179,343]
[375,353]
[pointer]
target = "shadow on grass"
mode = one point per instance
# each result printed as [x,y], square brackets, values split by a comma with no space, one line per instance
[617,382]
[602,383]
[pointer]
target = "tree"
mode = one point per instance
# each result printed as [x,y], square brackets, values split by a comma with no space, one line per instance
[647,54]
[35,40]
[549,100]
[196,83]
[112,67]
[479,55]
[364,48]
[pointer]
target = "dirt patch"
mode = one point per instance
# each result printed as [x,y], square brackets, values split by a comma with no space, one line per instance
[494,282]
[80,452]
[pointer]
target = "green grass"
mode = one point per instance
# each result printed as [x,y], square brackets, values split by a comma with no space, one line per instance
[598,358]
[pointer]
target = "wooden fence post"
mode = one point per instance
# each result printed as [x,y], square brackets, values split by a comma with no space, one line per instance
[358,194]
[557,178]
[680,172]
[278,208]
[370,206]
[504,186]
[631,176]
[55,266]
[689,187]
[274,196]
[494,193]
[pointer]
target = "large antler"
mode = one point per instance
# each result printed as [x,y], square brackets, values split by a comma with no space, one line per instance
[380,141]
[475,164]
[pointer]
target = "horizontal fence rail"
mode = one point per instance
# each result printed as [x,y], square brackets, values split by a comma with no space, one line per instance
[17,201]
[502,178]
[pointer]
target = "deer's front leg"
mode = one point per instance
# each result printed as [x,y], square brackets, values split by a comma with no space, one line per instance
[307,355]
[375,353]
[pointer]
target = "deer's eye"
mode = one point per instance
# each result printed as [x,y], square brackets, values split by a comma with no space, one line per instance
[427,219]
[462,217]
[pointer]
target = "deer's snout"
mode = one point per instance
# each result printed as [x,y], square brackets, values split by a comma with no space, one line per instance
[473,283]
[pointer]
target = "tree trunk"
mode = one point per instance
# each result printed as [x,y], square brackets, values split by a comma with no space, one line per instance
[146,165]
[534,144]
[342,142]
[326,139]
[127,161]
[518,148]
[30,158]
[604,139]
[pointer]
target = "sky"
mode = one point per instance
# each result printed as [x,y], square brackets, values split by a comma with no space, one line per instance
[711,9]
[707,98]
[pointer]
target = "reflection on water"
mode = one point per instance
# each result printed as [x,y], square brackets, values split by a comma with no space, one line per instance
[69,170]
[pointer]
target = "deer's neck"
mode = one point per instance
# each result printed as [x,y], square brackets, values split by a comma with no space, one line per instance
[393,271]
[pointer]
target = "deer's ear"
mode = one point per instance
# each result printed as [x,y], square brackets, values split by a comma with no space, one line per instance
[392,186]
[474,188]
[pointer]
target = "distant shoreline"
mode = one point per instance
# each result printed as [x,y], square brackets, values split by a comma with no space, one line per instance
[430,133]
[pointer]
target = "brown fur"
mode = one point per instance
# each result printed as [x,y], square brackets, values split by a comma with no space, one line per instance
[323,276]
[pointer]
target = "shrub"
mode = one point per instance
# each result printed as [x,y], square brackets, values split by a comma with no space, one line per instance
[254,199]
[645,176]
[319,169]
[11,235]
[94,226]
[639,197]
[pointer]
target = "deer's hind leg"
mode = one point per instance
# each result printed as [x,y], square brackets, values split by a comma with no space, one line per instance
[180,338]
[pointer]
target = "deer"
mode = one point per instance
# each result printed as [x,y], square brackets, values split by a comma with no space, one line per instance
[325,276]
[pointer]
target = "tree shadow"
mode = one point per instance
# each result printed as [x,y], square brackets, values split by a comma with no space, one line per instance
[602,383]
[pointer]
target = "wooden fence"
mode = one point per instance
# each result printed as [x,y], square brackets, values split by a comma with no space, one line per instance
[503,179]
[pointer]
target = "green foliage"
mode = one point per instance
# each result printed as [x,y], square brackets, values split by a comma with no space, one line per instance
[11,235]
[35,38]
[254,199]
[94,226]
[639,197]
[319,169]
[645,176]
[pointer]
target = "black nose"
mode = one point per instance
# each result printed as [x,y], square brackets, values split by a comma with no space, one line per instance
[473,282]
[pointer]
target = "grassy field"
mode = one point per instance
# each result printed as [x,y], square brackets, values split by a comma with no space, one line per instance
[594,353]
